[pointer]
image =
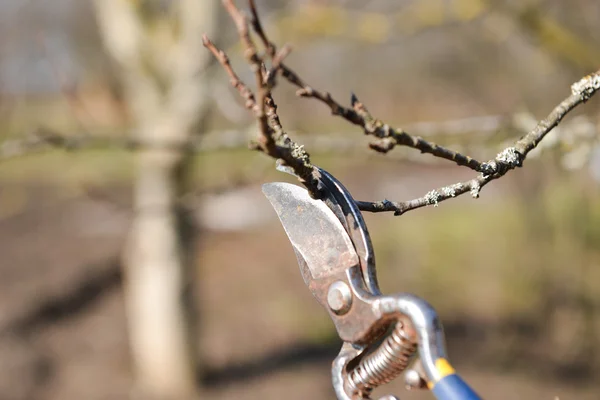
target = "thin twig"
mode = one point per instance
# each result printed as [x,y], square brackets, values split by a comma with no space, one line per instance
[256,65]
[257,26]
[388,137]
[233,78]
[272,140]
[41,140]
[276,66]
[508,159]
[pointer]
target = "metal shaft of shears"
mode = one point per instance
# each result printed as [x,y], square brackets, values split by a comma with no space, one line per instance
[336,260]
[440,376]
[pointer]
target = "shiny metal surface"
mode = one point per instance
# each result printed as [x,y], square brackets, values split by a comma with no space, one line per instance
[337,262]
[313,229]
[339,375]
[339,297]
[427,325]
[387,362]
[325,255]
[339,198]
[414,380]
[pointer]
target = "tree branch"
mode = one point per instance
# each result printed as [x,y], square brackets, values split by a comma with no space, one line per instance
[390,137]
[477,128]
[233,78]
[386,137]
[41,140]
[272,140]
[508,159]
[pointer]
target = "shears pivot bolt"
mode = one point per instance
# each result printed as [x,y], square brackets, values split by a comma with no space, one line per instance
[339,298]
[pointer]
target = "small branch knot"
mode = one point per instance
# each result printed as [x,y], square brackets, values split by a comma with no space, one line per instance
[489,168]
[387,203]
[382,145]
[509,158]
[304,92]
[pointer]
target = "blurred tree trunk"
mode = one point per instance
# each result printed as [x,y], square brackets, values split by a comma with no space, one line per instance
[158,47]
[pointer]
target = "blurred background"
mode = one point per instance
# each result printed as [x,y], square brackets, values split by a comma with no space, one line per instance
[138,257]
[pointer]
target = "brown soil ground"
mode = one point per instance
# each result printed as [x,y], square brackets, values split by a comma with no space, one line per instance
[62,322]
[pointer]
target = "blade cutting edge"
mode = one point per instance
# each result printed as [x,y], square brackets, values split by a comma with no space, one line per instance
[313,229]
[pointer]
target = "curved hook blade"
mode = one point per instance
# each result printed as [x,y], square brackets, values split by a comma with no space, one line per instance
[316,234]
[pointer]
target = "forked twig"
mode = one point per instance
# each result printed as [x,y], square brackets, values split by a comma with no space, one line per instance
[272,140]
[510,158]
[233,78]
[386,137]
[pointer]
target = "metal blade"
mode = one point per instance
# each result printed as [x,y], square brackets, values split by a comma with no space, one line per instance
[315,232]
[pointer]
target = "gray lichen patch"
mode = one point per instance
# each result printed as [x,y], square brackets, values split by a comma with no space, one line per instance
[475,189]
[452,191]
[510,156]
[587,86]
[299,153]
[433,197]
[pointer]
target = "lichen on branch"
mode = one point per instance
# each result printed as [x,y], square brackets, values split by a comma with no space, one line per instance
[274,142]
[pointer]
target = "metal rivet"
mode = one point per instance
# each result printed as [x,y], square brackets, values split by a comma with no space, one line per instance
[339,297]
[414,380]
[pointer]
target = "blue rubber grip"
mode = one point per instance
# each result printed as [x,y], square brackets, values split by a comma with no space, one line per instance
[452,387]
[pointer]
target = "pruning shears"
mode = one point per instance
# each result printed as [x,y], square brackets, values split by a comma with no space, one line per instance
[382,334]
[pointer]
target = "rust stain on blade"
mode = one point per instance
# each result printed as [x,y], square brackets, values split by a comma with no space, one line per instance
[313,229]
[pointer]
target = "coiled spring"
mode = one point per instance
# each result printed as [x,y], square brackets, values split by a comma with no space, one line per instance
[385,363]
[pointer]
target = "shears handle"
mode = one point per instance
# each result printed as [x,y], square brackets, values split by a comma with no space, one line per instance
[453,387]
